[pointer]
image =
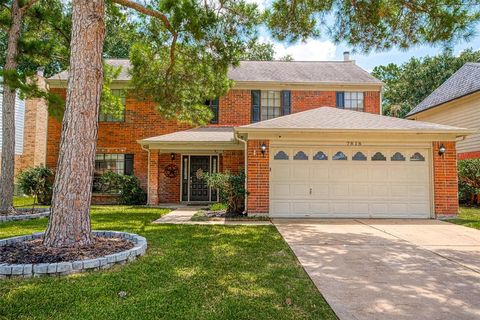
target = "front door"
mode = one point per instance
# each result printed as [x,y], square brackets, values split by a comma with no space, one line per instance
[198,187]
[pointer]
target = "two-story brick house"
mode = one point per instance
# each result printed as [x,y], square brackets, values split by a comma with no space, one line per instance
[310,136]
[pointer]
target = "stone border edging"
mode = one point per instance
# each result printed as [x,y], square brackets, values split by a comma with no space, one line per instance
[20,217]
[64,268]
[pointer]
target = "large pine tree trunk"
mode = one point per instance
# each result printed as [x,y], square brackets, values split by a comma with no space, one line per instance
[69,223]
[8,114]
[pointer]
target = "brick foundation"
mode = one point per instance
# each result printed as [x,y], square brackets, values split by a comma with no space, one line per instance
[445,180]
[258,177]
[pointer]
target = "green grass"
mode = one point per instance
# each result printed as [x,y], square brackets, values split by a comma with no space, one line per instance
[469,217]
[189,272]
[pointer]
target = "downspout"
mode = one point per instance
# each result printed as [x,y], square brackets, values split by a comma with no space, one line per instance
[148,173]
[245,152]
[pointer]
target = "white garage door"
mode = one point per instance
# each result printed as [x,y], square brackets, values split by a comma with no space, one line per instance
[361,182]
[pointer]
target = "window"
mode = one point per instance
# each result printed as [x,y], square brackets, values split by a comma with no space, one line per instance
[379,157]
[417,156]
[320,156]
[300,156]
[104,117]
[350,100]
[213,105]
[397,157]
[359,156]
[281,155]
[270,105]
[118,163]
[339,156]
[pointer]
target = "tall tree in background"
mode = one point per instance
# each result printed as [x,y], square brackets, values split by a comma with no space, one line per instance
[406,85]
[17,11]
[374,24]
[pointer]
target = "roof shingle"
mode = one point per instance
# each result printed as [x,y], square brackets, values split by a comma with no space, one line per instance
[334,119]
[201,134]
[463,82]
[276,71]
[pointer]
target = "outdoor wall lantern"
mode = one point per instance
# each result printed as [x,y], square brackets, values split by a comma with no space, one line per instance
[263,148]
[172,156]
[441,150]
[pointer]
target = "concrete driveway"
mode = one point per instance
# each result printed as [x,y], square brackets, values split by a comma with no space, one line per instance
[390,269]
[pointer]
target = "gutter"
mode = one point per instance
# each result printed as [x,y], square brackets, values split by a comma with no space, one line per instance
[245,153]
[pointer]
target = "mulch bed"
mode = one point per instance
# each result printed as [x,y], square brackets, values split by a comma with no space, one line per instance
[35,252]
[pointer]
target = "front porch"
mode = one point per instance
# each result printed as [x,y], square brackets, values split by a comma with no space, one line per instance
[177,161]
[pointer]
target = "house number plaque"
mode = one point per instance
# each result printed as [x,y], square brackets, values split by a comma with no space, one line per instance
[354,143]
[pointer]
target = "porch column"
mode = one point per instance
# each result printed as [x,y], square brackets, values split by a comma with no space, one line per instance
[258,177]
[445,179]
[153,178]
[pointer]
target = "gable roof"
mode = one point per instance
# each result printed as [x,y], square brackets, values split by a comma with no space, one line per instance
[336,120]
[463,82]
[309,72]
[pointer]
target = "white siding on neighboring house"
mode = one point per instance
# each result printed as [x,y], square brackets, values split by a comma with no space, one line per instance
[464,113]
[19,122]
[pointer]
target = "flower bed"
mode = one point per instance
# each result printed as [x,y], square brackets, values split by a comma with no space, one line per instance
[67,267]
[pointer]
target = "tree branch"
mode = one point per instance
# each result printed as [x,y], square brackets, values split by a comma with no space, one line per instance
[156,14]
[27,5]
[149,12]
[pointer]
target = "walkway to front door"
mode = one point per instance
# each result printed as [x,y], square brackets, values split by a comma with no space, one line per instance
[390,269]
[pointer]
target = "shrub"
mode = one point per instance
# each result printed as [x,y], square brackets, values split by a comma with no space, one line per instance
[231,188]
[128,187]
[469,180]
[38,183]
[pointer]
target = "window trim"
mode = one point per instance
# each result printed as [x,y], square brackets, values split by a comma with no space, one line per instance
[340,100]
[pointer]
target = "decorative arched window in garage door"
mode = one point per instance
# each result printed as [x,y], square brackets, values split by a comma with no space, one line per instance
[359,156]
[320,155]
[340,156]
[281,155]
[300,155]
[417,156]
[397,156]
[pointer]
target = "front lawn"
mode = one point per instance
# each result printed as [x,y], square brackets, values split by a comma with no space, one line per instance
[469,217]
[189,272]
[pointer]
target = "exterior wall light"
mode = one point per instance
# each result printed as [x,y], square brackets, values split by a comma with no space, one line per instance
[442,150]
[263,148]
[172,156]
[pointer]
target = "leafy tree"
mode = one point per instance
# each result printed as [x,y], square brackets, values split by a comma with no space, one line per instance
[406,85]
[257,51]
[37,182]
[231,187]
[374,24]
[469,180]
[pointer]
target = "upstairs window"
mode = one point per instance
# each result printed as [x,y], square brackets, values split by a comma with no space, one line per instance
[105,117]
[270,105]
[214,106]
[350,100]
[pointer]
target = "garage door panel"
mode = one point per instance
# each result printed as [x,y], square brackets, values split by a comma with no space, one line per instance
[391,185]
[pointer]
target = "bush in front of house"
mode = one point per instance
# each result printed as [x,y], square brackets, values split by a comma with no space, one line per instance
[127,187]
[231,187]
[37,182]
[469,181]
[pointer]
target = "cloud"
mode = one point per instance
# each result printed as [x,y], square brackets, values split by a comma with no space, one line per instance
[311,50]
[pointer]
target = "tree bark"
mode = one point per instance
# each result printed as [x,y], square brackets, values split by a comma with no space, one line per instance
[8,114]
[69,223]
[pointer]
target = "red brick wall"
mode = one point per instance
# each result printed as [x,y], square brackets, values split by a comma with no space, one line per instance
[372,102]
[232,161]
[168,188]
[469,155]
[235,108]
[257,177]
[142,121]
[445,179]
[302,100]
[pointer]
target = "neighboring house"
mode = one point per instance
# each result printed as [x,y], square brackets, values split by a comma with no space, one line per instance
[457,103]
[31,117]
[310,135]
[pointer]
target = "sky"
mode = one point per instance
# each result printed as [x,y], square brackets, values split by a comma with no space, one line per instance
[324,49]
